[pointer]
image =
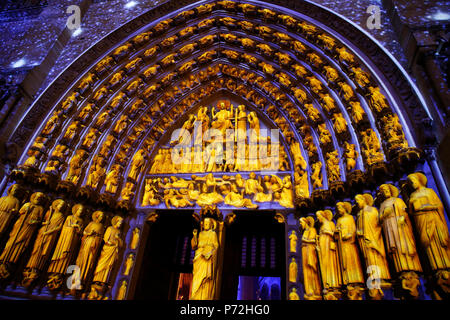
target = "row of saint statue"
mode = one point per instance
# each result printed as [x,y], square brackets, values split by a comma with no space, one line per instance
[60,241]
[386,240]
[234,191]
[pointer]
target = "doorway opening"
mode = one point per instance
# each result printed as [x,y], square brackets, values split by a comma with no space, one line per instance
[254,257]
[166,265]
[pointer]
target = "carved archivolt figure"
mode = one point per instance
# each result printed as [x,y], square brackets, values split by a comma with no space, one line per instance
[398,231]
[377,99]
[350,156]
[334,171]
[350,265]
[204,270]
[112,179]
[30,216]
[45,240]
[429,218]
[97,172]
[66,246]
[90,244]
[137,163]
[327,251]
[357,111]
[9,207]
[301,183]
[310,264]
[316,176]
[371,242]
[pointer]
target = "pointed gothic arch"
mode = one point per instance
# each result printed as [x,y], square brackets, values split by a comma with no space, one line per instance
[300,70]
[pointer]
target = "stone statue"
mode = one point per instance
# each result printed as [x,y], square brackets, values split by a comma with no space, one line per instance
[9,207]
[65,247]
[350,156]
[293,295]
[205,245]
[236,199]
[310,264]
[76,166]
[134,239]
[122,291]
[90,244]
[316,176]
[293,270]
[253,121]
[30,216]
[128,264]
[45,240]
[371,243]
[328,255]
[428,213]
[137,163]
[293,242]
[398,233]
[352,274]
[108,256]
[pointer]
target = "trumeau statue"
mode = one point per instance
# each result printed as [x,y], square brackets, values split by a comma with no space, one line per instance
[30,216]
[310,263]
[204,264]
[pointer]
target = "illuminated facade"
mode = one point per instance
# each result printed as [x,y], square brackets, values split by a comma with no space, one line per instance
[227,150]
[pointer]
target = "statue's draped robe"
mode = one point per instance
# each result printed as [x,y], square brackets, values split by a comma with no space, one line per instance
[399,236]
[108,256]
[7,205]
[30,215]
[328,256]
[90,244]
[371,241]
[351,267]
[67,242]
[310,264]
[432,228]
[43,245]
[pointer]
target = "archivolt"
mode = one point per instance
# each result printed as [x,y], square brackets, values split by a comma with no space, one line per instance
[303,78]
